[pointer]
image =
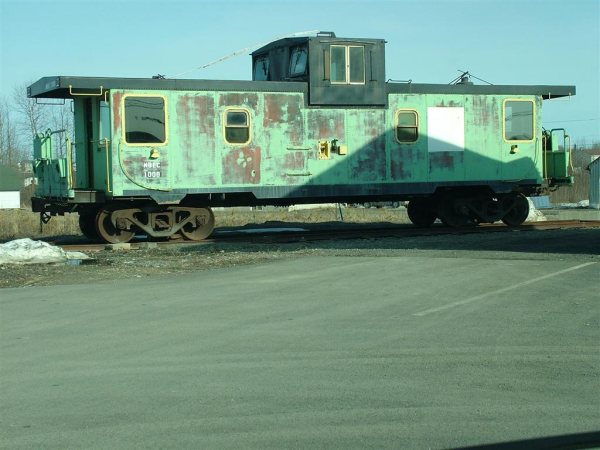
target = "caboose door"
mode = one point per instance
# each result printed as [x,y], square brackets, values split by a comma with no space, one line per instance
[88,142]
[91,133]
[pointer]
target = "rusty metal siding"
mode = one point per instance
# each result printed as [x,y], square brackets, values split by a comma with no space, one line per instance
[282,154]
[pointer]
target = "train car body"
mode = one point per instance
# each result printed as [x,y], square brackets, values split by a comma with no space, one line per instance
[318,123]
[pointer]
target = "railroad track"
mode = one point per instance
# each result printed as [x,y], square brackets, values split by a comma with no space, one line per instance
[315,232]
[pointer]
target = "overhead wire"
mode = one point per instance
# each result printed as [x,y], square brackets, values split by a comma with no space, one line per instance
[247,49]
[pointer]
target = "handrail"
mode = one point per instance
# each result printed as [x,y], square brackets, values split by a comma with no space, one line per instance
[108,168]
[88,94]
[70,173]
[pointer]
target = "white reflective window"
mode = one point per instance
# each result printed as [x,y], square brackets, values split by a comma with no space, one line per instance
[518,120]
[347,64]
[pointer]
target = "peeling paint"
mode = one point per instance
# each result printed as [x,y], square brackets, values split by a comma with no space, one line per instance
[242,166]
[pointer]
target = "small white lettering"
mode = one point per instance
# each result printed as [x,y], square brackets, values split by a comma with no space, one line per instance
[152,174]
[151,164]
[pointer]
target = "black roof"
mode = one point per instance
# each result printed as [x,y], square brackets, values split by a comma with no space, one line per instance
[70,87]
[546,91]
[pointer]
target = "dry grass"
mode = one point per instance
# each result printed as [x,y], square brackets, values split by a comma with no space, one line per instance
[22,223]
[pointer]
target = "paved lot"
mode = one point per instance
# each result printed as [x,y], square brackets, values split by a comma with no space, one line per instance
[328,352]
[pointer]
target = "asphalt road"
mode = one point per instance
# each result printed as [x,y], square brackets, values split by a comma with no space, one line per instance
[328,352]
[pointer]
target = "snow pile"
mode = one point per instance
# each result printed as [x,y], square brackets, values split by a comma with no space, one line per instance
[312,206]
[28,251]
[535,215]
[581,204]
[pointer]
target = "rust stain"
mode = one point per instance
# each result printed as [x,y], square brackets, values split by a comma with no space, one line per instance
[401,160]
[326,124]
[116,107]
[484,111]
[205,114]
[183,121]
[274,104]
[294,161]
[239,99]
[242,166]
[445,160]
[196,130]
[284,112]
[369,162]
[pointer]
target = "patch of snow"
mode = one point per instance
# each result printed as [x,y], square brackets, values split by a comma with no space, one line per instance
[263,230]
[28,251]
[312,206]
[535,215]
[581,204]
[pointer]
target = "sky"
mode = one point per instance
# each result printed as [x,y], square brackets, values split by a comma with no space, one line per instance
[553,42]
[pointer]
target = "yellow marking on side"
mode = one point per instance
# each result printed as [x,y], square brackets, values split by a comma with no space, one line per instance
[533,116]
[124,125]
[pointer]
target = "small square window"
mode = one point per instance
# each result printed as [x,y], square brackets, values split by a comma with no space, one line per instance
[237,126]
[145,120]
[407,126]
[518,120]
[347,64]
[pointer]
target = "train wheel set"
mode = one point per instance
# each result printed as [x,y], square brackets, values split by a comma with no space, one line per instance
[119,224]
[116,224]
[456,210]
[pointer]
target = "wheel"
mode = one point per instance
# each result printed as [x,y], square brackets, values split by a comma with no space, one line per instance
[519,211]
[421,213]
[108,232]
[450,215]
[201,225]
[87,225]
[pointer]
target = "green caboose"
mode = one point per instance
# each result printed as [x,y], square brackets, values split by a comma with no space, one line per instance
[318,123]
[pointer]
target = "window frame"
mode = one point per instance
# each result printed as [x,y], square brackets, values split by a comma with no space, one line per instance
[262,59]
[248,126]
[347,68]
[124,121]
[533,116]
[298,48]
[397,125]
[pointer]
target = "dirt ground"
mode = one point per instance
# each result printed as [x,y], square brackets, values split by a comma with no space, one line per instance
[185,259]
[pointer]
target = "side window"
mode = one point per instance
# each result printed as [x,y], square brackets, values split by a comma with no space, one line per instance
[237,126]
[145,120]
[261,68]
[407,126]
[347,64]
[518,120]
[357,65]
[298,61]
[338,64]
[104,121]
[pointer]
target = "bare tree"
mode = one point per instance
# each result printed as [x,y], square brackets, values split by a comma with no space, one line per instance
[11,153]
[33,115]
[61,119]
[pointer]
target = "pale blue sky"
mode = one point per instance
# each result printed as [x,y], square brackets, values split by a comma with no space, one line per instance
[501,41]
